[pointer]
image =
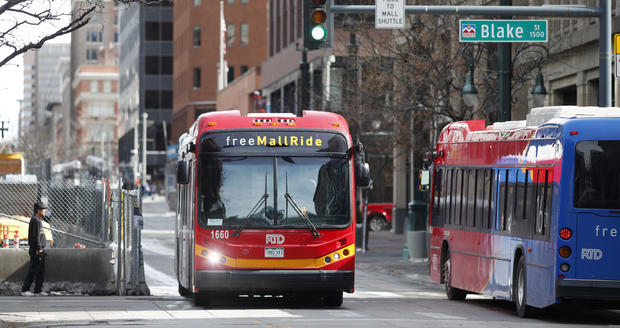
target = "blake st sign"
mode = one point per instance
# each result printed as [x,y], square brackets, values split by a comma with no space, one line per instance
[510,30]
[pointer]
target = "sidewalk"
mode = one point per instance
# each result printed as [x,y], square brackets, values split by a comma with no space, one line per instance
[385,255]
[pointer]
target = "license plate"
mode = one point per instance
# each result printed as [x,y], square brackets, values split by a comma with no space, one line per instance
[274,252]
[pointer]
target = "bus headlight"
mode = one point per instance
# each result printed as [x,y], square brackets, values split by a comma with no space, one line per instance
[564,267]
[214,257]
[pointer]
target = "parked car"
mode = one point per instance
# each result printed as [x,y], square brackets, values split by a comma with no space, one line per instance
[379,216]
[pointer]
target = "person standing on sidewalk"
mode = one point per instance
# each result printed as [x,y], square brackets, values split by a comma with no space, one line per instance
[36,241]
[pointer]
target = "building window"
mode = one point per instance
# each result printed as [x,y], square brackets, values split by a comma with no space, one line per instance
[197,3]
[151,65]
[231,73]
[244,68]
[245,1]
[166,65]
[151,31]
[196,36]
[116,37]
[151,99]
[156,31]
[100,109]
[196,83]
[230,35]
[94,36]
[245,34]
[94,86]
[91,54]
[107,86]
[230,2]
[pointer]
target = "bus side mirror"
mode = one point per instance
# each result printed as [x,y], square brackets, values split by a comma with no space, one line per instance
[424,180]
[182,173]
[362,175]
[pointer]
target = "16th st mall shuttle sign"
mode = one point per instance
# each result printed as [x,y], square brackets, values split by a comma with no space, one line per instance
[390,14]
[503,30]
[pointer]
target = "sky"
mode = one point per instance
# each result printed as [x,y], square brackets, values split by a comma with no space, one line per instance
[12,73]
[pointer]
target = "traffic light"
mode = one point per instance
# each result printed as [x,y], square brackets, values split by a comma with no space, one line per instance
[317,25]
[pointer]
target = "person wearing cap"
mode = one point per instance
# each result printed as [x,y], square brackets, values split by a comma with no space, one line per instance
[36,241]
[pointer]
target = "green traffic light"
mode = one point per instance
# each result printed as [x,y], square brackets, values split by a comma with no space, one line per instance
[318,33]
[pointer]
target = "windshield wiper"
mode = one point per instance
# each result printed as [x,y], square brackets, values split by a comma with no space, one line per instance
[247,219]
[309,224]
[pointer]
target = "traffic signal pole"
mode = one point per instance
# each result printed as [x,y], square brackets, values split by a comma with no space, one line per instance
[603,12]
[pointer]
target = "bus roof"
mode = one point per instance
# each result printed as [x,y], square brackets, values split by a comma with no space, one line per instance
[233,120]
[471,131]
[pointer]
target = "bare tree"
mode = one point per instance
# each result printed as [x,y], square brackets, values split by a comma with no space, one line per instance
[18,17]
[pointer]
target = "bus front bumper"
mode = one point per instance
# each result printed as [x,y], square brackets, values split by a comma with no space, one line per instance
[274,280]
[588,289]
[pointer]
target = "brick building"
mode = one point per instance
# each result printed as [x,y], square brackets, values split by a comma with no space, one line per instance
[196,52]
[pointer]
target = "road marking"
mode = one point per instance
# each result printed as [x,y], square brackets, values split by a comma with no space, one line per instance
[344,314]
[439,316]
[373,294]
[230,314]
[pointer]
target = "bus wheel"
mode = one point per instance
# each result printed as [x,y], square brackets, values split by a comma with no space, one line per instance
[520,290]
[452,293]
[201,299]
[333,299]
[183,291]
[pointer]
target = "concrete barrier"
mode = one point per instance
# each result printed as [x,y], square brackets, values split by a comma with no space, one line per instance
[74,270]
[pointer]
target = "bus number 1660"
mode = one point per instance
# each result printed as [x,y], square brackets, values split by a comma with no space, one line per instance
[219,234]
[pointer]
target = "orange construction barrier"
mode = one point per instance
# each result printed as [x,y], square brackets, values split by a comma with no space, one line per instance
[16,239]
[5,237]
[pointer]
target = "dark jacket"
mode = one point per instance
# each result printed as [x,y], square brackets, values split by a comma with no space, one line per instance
[36,237]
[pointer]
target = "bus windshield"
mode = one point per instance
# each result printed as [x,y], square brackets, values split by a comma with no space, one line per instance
[234,189]
[597,174]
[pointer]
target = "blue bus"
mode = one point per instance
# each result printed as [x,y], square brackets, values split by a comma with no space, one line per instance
[528,211]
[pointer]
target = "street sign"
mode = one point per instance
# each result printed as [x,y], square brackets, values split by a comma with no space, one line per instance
[390,14]
[503,30]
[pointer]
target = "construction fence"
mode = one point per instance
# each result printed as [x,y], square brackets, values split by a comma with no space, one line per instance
[86,212]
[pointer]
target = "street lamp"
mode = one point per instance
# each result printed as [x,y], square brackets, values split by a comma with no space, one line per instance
[470,95]
[538,91]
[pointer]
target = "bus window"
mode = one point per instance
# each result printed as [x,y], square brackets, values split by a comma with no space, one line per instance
[450,189]
[543,201]
[465,198]
[520,195]
[530,194]
[471,198]
[490,195]
[597,174]
[455,197]
[548,198]
[510,201]
[503,195]
[459,197]
[480,200]
[437,193]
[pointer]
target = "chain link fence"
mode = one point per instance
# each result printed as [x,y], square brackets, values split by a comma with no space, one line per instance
[76,209]
[88,211]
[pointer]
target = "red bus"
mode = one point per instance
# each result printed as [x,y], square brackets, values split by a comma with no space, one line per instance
[266,206]
[518,208]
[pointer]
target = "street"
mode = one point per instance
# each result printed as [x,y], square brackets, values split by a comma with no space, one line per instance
[389,293]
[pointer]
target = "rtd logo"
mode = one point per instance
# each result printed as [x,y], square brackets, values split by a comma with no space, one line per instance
[274,239]
[591,254]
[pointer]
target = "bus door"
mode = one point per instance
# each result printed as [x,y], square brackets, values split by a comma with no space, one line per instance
[597,204]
